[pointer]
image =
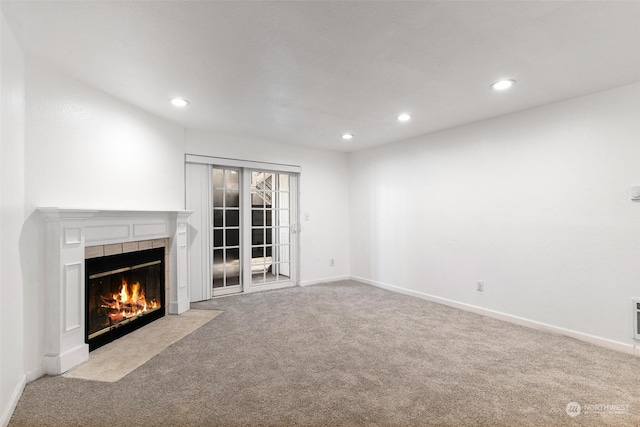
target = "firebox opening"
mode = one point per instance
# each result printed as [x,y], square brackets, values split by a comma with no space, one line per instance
[123,293]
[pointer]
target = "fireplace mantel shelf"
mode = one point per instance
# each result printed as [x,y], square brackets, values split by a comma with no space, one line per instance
[56,212]
[69,232]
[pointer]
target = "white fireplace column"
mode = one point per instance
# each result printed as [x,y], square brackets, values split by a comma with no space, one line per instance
[180,301]
[67,233]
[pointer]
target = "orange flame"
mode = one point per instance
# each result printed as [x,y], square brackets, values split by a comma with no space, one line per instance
[130,301]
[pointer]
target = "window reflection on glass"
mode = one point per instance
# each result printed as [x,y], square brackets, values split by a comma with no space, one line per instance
[218,197]
[257,252]
[218,215]
[232,198]
[232,255]
[218,239]
[218,175]
[233,237]
[231,179]
[233,218]
[257,236]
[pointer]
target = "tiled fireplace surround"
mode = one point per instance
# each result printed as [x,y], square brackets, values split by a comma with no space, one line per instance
[73,235]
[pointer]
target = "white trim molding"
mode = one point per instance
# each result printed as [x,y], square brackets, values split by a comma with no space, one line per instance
[13,402]
[237,163]
[556,330]
[326,280]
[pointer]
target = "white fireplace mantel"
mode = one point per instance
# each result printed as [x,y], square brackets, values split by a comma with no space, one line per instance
[68,233]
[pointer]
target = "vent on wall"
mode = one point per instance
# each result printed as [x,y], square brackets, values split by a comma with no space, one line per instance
[636,319]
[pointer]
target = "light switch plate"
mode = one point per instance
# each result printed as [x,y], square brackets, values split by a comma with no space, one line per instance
[635,192]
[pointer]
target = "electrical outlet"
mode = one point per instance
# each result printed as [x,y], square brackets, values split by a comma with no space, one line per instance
[480,286]
[332,262]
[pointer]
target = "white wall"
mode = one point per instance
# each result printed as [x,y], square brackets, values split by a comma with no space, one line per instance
[536,204]
[324,196]
[86,149]
[12,376]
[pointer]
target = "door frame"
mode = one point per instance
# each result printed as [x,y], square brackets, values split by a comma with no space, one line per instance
[198,194]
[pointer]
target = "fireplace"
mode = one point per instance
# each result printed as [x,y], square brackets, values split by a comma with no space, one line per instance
[73,238]
[123,292]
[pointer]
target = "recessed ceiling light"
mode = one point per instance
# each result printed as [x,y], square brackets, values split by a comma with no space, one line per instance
[502,84]
[347,136]
[404,117]
[179,102]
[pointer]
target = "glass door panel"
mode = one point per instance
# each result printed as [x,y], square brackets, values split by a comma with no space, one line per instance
[270,227]
[226,231]
[251,232]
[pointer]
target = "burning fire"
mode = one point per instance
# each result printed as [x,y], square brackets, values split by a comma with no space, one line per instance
[128,302]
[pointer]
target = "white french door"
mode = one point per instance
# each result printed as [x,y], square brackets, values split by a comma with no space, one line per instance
[271,227]
[244,229]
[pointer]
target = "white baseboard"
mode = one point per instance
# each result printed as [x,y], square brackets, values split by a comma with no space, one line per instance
[179,307]
[325,280]
[56,364]
[34,374]
[13,401]
[592,339]
[268,287]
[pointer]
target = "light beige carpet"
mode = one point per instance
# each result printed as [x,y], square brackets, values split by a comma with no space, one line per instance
[115,360]
[350,355]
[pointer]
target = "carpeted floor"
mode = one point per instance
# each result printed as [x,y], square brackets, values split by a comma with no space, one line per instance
[347,354]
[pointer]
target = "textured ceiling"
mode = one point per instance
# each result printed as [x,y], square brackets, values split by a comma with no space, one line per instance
[306,72]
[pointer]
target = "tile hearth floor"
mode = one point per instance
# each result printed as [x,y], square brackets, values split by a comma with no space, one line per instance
[115,360]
